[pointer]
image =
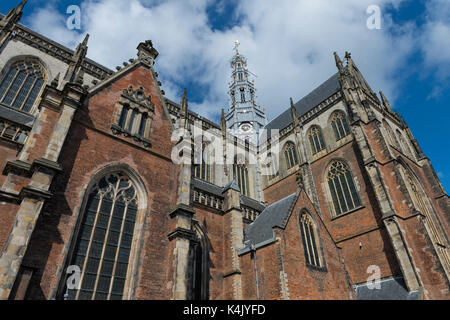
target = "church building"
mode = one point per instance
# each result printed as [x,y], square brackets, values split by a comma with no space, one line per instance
[109,190]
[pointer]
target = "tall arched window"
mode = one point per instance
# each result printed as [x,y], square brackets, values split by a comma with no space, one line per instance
[290,154]
[103,245]
[200,274]
[240,175]
[342,188]
[309,239]
[421,203]
[392,139]
[340,125]
[202,163]
[404,145]
[316,140]
[21,85]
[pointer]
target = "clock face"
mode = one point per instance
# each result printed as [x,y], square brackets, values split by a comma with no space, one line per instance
[246,127]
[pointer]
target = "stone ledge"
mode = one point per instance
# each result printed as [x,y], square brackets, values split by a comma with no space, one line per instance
[231,273]
[18,165]
[34,193]
[181,209]
[181,233]
[52,165]
[9,195]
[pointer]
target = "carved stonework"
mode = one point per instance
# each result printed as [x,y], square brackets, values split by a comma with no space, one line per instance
[146,52]
[138,96]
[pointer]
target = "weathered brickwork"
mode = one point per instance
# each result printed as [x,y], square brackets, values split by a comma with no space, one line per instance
[201,237]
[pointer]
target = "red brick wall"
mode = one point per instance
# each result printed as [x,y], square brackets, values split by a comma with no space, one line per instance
[89,147]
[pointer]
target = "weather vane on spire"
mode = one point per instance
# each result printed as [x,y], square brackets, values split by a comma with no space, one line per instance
[236,45]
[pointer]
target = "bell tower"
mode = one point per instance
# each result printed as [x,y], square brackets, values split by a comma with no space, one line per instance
[245,117]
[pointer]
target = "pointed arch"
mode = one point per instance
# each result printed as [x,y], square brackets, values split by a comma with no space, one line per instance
[391,136]
[23,79]
[339,123]
[403,144]
[290,154]
[423,204]
[200,264]
[108,236]
[240,174]
[310,239]
[341,187]
[316,141]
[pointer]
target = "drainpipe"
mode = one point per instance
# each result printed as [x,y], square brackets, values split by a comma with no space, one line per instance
[253,252]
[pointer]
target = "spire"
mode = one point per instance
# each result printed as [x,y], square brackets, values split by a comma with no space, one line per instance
[386,103]
[75,67]
[294,114]
[14,15]
[184,110]
[339,64]
[81,50]
[245,118]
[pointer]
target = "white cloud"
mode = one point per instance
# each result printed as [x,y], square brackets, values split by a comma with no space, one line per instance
[289,44]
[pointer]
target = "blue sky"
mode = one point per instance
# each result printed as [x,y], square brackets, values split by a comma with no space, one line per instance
[289,46]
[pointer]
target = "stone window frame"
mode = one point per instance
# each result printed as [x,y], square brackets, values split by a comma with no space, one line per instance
[328,193]
[131,282]
[208,176]
[319,257]
[290,149]
[241,175]
[23,60]
[201,239]
[313,131]
[392,139]
[404,146]
[420,202]
[334,118]
[139,105]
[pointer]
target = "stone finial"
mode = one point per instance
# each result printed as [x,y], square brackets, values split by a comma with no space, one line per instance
[14,15]
[385,101]
[294,114]
[146,52]
[348,57]
[81,50]
[339,64]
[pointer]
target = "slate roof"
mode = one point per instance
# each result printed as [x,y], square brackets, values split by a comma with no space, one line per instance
[274,215]
[391,289]
[208,187]
[314,98]
[251,203]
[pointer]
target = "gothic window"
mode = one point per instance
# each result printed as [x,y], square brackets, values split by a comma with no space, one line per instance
[316,140]
[340,125]
[392,139]
[242,96]
[123,116]
[290,154]
[202,163]
[309,240]
[240,76]
[103,245]
[403,144]
[421,203]
[342,188]
[271,166]
[199,267]
[21,85]
[134,122]
[240,175]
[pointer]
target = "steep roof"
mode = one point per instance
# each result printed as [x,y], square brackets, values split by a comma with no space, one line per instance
[261,229]
[315,97]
